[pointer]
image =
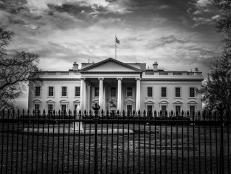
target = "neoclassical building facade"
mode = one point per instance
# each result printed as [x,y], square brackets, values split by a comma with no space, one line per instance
[115,85]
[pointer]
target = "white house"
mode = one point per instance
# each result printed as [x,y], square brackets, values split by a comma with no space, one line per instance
[115,85]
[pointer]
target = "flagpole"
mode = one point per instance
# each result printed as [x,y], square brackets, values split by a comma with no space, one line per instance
[115,46]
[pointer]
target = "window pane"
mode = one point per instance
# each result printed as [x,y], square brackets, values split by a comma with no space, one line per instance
[64,91]
[163,92]
[192,109]
[77,91]
[63,107]
[163,107]
[177,92]
[50,107]
[178,108]
[96,92]
[149,92]
[149,108]
[37,91]
[129,108]
[129,92]
[51,91]
[192,92]
[113,92]
[36,107]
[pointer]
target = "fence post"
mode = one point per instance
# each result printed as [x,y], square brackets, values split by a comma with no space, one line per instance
[96,142]
[221,141]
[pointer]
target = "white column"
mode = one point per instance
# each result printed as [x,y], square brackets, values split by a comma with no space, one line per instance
[101,93]
[137,94]
[85,96]
[82,82]
[119,96]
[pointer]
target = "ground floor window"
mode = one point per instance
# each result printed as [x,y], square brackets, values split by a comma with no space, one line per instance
[50,107]
[178,109]
[163,108]
[149,110]
[36,107]
[163,111]
[64,107]
[129,109]
[192,110]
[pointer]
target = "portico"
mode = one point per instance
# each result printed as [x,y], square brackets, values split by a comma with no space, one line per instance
[112,94]
[112,84]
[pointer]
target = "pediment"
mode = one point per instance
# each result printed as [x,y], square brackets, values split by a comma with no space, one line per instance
[110,65]
[178,102]
[50,101]
[36,101]
[192,102]
[163,102]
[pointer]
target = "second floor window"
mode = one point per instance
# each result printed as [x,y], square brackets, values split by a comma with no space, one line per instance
[191,92]
[149,91]
[37,91]
[129,92]
[64,91]
[177,92]
[163,92]
[51,91]
[77,91]
[96,92]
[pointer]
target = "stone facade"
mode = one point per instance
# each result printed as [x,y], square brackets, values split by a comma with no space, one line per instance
[115,85]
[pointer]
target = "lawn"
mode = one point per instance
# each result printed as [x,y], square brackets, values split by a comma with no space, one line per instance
[150,149]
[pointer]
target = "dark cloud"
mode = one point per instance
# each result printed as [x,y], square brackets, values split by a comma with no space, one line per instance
[163,41]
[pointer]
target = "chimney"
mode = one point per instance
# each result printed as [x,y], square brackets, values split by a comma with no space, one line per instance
[155,66]
[75,66]
[196,69]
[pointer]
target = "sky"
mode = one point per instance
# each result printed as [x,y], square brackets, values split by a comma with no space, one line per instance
[178,34]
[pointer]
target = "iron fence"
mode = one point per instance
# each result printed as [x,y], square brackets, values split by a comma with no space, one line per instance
[104,142]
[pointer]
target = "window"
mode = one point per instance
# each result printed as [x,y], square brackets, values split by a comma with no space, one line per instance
[50,91]
[129,109]
[192,109]
[50,107]
[149,110]
[36,107]
[37,91]
[113,92]
[129,92]
[77,91]
[178,108]
[96,92]
[177,92]
[149,91]
[191,92]
[163,92]
[163,108]
[64,91]
[64,107]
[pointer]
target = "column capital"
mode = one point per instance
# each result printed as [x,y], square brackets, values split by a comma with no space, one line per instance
[100,78]
[138,78]
[82,78]
[119,78]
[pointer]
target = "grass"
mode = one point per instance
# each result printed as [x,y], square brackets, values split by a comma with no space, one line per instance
[151,149]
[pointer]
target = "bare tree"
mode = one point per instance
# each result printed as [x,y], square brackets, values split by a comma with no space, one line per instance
[14,70]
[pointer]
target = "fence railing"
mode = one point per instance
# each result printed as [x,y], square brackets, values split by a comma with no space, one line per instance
[114,142]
